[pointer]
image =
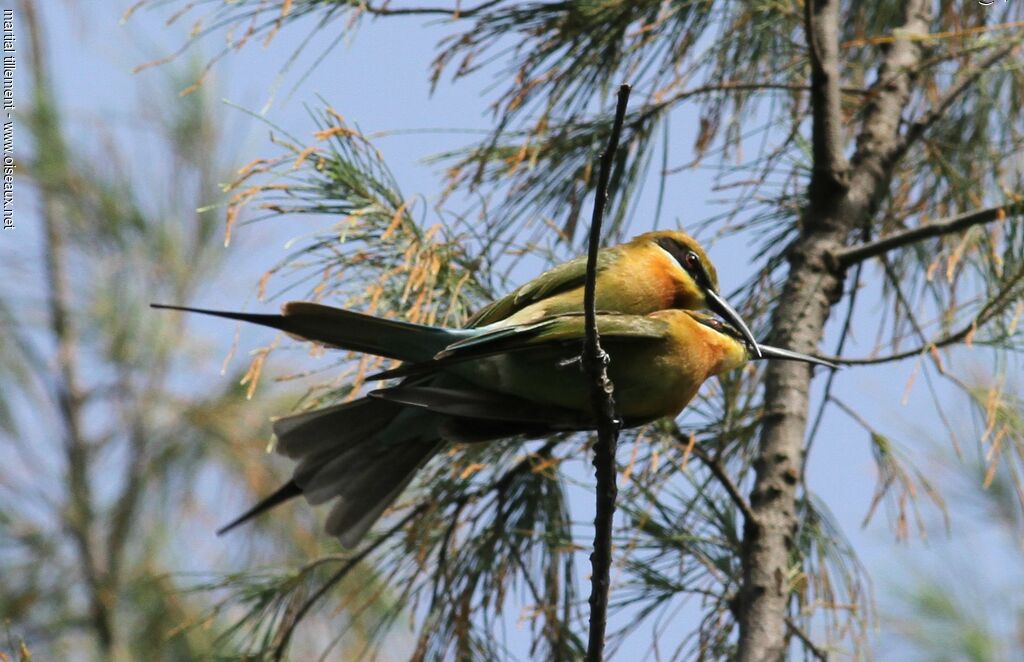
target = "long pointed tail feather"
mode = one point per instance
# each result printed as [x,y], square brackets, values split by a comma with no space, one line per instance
[347,330]
[286,492]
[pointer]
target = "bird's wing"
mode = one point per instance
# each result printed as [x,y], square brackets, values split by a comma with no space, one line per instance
[567,327]
[551,333]
[493,340]
[566,276]
[570,328]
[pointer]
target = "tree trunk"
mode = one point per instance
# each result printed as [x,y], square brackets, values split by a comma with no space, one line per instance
[841,198]
[812,287]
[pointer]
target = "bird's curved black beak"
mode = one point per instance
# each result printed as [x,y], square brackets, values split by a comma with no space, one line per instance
[722,307]
[769,352]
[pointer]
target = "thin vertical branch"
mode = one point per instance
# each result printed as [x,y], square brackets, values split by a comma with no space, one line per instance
[595,364]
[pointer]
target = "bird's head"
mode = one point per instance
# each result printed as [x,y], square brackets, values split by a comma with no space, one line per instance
[695,278]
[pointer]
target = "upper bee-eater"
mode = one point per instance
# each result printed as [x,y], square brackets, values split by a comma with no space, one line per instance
[475,385]
[654,271]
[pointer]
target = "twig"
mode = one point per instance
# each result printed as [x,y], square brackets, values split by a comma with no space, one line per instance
[342,572]
[988,311]
[939,108]
[861,252]
[844,334]
[595,365]
[931,36]
[718,471]
[802,636]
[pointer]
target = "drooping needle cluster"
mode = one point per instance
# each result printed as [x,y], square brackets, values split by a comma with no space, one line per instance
[513,371]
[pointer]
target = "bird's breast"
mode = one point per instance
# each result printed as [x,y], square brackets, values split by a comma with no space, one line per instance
[650,382]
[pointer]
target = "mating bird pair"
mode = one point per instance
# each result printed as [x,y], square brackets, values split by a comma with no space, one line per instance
[511,372]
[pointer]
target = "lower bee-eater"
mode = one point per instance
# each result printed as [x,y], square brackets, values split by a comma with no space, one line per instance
[478,385]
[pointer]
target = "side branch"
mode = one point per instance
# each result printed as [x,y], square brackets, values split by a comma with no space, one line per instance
[714,465]
[995,305]
[878,144]
[854,254]
[808,643]
[595,364]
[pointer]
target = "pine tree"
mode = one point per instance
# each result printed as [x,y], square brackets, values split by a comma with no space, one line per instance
[886,145]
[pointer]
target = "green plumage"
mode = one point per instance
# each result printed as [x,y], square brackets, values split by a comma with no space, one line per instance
[566,276]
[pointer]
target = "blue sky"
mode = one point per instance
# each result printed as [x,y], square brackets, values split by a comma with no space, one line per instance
[378,79]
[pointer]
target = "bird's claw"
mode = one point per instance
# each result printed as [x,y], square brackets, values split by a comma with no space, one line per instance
[565,363]
[602,356]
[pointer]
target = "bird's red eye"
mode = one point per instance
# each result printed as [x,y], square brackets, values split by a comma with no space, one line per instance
[692,261]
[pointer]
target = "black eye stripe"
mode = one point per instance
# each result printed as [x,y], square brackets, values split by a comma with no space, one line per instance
[679,252]
[721,327]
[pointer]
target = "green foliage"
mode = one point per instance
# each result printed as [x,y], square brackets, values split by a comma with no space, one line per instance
[959,609]
[430,276]
[108,439]
[963,635]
